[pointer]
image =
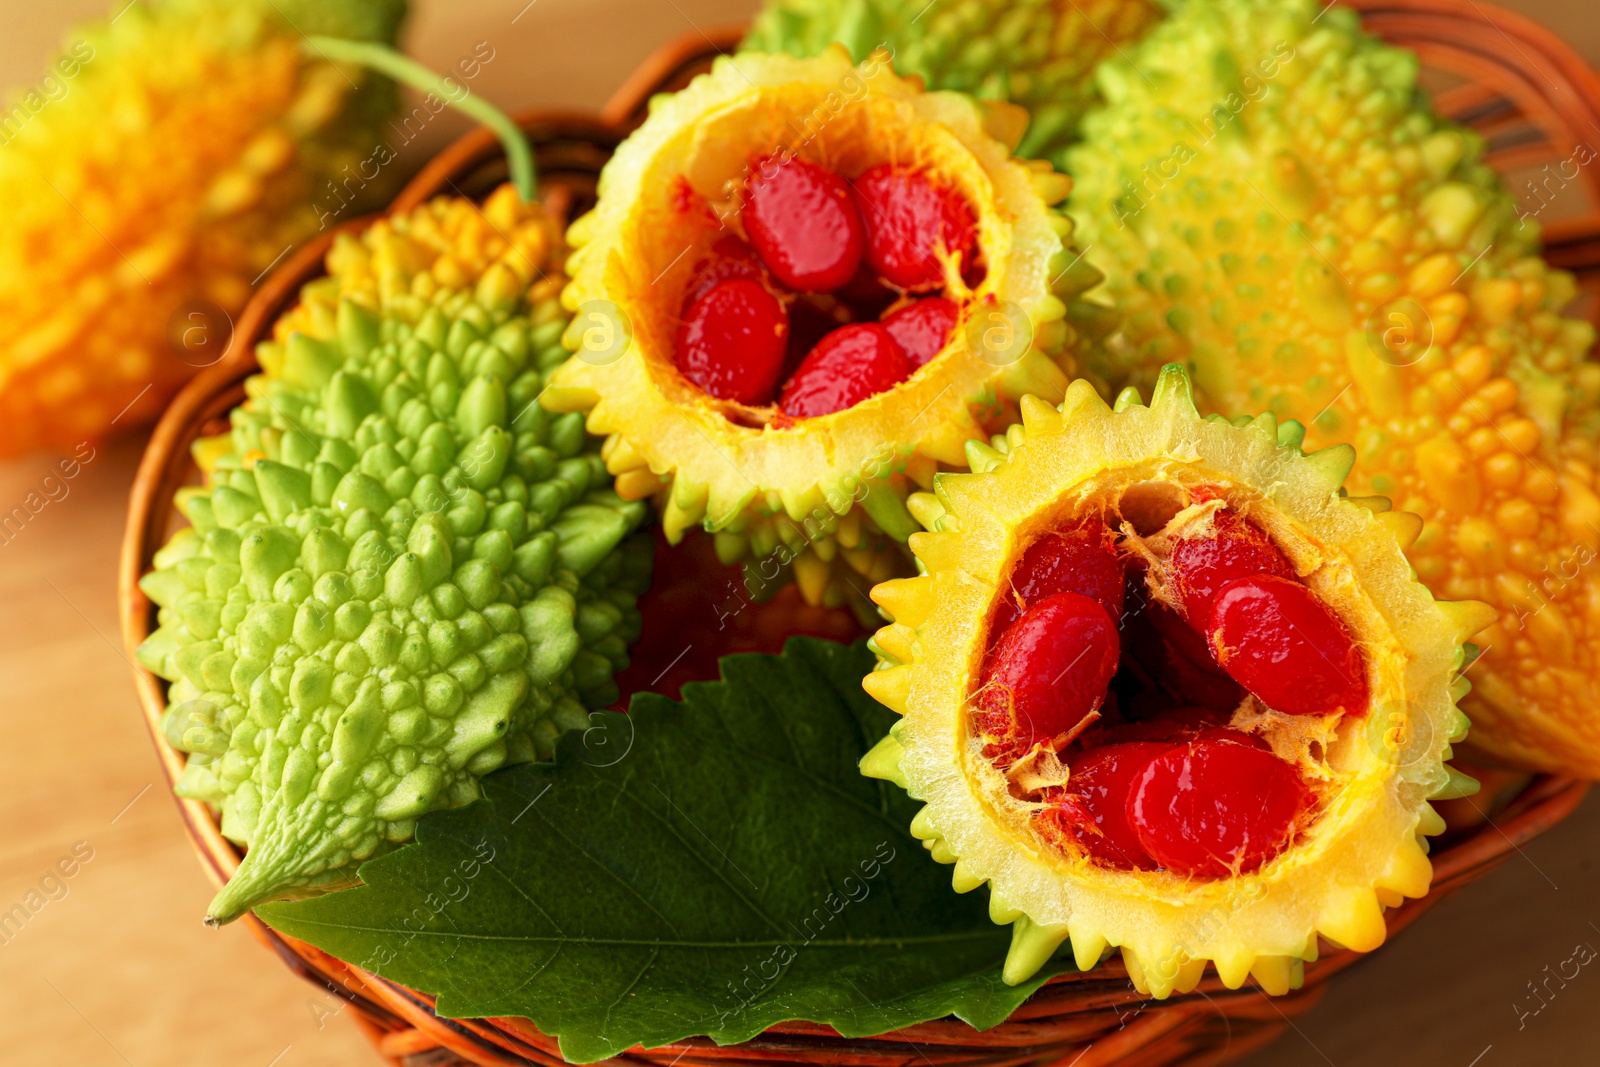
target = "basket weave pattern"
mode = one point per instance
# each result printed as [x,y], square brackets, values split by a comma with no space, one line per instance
[1521,87]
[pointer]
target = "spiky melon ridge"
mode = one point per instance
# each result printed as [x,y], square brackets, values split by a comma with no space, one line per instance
[795,490]
[193,145]
[1039,54]
[1363,853]
[1264,255]
[402,574]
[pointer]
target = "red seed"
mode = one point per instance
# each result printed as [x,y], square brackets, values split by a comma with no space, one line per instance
[802,221]
[731,342]
[1048,671]
[1275,638]
[910,223]
[923,328]
[1211,808]
[1203,565]
[850,364]
[1080,560]
[1103,779]
[729,258]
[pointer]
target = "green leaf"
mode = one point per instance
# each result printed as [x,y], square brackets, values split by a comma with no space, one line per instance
[712,867]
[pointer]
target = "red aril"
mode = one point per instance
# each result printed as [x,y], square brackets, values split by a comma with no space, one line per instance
[923,328]
[847,366]
[803,223]
[911,223]
[1080,560]
[1048,671]
[1102,779]
[1275,638]
[1212,807]
[731,342]
[729,258]
[1201,566]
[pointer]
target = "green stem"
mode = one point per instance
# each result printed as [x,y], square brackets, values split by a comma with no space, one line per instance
[386,60]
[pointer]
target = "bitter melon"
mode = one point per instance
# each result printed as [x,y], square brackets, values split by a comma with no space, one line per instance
[1040,54]
[683,333]
[171,155]
[401,573]
[1274,204]
[1166,690]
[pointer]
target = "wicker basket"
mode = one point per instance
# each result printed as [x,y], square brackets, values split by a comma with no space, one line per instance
[1525,90]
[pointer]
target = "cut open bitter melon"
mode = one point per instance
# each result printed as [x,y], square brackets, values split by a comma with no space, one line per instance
[767,484]
[1369,758]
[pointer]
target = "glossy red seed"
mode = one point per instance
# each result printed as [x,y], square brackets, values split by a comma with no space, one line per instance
[924,327]
[1201,566]
[1079,560]
[731,342]
[910,223]
[802,221]
[1213,807]
[849,365]
[1275,638]
[1049,670]
[1103,779]
[728,258]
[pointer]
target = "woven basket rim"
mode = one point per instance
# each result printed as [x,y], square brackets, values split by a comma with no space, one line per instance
[402,1021]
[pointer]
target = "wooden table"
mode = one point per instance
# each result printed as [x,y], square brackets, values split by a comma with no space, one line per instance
[115,967]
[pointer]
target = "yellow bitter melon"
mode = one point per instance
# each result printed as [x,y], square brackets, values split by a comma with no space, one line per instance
[171,156]
[1274,204]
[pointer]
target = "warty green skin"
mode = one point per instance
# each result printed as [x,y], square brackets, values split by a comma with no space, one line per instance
[1040,54]
[422,576]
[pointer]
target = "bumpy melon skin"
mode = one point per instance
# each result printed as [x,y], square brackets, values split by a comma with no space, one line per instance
[826,494]
[1364,852]
[402,574]
[1268,258]
[1040,54]
[192,144]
